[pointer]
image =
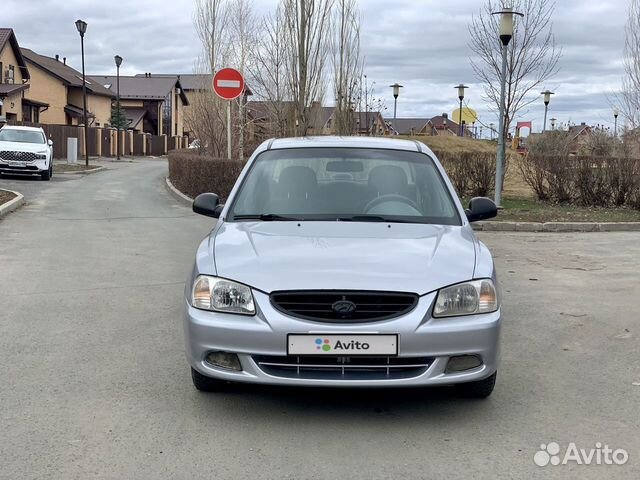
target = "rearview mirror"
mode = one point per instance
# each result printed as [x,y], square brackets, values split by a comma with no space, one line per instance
[50,142]
[208,204]
[481,208]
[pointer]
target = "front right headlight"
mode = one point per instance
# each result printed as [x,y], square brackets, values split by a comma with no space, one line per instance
[222,295]
[468,298]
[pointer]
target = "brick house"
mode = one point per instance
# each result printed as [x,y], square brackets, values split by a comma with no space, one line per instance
[57,89]
[152,103]
[14,77]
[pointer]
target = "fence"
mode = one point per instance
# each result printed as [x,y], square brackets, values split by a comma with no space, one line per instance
[102,141]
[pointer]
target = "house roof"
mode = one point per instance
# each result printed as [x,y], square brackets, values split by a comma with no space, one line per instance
[405,126]
[134,115]
[7,35]
[7,89]
[189,81]
[576,130]
[261,110]
[142,88]
[319,116]
[69,76]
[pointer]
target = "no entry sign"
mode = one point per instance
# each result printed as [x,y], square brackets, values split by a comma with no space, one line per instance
[228,83]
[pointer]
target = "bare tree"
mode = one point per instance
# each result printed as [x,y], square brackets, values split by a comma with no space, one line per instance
[306,24]
[532,56]
[269,74]
[243,38]
[347,63]
[629,99]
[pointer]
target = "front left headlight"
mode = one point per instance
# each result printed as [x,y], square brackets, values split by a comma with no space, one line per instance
[222,295]
[468,298]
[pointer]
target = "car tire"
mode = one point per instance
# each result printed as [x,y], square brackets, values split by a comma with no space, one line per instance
[46,176]
[480,389]
[208,384]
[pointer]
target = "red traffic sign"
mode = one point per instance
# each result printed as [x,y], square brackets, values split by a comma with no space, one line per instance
[228,84]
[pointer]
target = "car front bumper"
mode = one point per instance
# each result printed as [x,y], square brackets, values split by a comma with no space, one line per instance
[265,335]
[26,168]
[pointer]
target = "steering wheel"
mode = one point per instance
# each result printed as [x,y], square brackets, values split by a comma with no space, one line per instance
[391,197]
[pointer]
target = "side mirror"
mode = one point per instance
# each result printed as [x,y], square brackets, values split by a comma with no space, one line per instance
[481,208]
[50,142]
[208,204]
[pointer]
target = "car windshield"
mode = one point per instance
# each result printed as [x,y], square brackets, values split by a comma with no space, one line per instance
[21,136]
[347,184]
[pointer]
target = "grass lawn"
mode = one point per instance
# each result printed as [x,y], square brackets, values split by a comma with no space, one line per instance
[5,196]
[68,167]
[528,210]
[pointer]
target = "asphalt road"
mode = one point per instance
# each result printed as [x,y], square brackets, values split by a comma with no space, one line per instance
[94,383]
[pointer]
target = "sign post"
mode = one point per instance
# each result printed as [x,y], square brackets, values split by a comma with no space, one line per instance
[228,84]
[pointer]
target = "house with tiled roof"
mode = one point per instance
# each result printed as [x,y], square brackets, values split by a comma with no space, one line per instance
[152,103]
[57,88]
[14,77]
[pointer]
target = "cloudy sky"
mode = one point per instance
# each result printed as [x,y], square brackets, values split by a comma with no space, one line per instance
[422,44]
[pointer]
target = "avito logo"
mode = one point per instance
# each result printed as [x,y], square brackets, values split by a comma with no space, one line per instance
[324,344]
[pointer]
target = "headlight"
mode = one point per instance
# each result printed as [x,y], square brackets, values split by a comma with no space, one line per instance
[469,298]
[221,295]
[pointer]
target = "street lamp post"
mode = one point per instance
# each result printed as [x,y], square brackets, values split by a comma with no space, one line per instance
[396,91]
[547,98]
[553,123]
[118,60]
[81,25]
[616,112]
[492,127]
[506,34]
[461,89]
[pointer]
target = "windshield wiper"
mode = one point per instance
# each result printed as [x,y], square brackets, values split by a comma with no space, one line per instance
[266,217]
[372,218]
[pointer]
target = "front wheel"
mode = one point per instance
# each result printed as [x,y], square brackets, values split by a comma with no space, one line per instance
[480,389]
[46,176]
[208,384]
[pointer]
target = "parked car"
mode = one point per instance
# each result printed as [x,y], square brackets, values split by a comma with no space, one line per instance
[25,150]
[343,262]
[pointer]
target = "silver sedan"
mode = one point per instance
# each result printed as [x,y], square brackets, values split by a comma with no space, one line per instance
[343,262]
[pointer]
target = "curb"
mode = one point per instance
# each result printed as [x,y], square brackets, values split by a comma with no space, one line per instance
[11,205]
[556,227]
[181,197]
[81,172]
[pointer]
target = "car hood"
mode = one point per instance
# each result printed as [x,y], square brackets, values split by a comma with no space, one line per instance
[24,147]
[272,256]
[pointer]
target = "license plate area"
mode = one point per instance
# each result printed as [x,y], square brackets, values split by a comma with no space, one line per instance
[342,345]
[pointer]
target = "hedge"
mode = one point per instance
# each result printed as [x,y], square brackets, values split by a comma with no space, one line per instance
[194,174]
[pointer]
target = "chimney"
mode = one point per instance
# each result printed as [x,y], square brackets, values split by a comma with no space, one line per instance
[445,116]
[583,124]
[57,57]
[64,60]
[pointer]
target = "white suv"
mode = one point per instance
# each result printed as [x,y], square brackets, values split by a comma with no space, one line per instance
[25,150]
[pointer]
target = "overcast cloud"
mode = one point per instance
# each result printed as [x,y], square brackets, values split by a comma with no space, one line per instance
[422,44]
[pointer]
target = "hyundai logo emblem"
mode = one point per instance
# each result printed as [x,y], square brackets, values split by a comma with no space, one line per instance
[344,307]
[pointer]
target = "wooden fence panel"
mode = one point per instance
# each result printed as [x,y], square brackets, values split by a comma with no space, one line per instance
[158,145]
[138,144]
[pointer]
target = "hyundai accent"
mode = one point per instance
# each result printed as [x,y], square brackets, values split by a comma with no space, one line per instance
[343,262]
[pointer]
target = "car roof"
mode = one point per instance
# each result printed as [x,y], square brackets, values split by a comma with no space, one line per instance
[30,129]
[348,142]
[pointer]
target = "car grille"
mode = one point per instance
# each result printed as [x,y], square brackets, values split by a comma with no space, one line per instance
[326,305]
[13,156]
[343,368]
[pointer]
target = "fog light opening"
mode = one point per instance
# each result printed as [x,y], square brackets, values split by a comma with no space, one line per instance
[462,363]
[230,361]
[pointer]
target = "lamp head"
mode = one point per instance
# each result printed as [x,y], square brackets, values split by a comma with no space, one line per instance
[461,89]
[547,96]
[81,25]
[396,89]
[118,60]
[507,21]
